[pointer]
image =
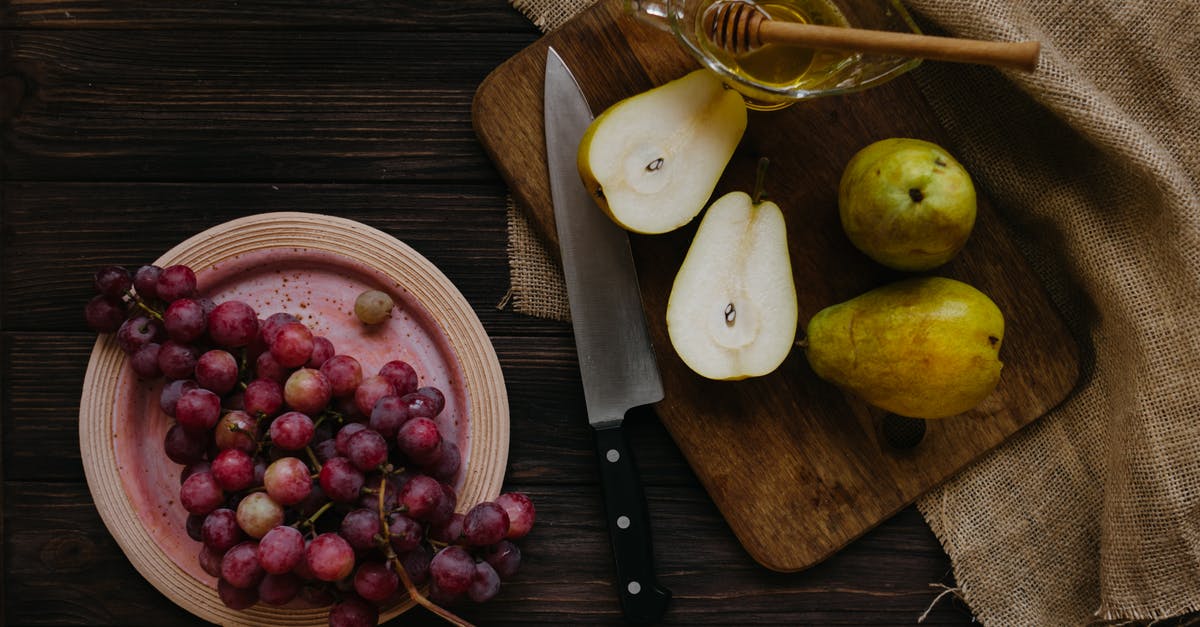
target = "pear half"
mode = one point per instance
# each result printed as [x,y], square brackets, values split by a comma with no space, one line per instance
[651,161]
[732,311]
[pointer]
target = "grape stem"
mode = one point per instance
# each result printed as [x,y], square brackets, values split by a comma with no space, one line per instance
[312,457]
[146,308]
[312,520]
[446,615]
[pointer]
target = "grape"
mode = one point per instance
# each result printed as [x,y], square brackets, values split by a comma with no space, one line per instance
[240,566]
[281,549]
[194,525]
[113,281]
[145,281]
[404,533]
[370,391]
[220,531]
[444,510]
[169,397]
[359,528]
[104,314]
[233,324]
[200,494]
[452,570]
[485,584]
[176,282]
[330,557]
[236,598]
[367,450]
[401,375]
[416,563]
[233,469]
[344,374]
[269,327]
[484,524]
[193,468]
[448,463]
[373,306]
[198,410]
[340,480]
[449,531]
[420,405]
[293,345]
[267,367]
[344,435]
[236,430]
[258,513]
[177,361]
[352,611]
[521,513]
[291,431]
[138,331]
[279,589]
[287,481]
[505,557]
[434,394]
[145,361]
[374,581]
[184,320]
[263,397]
[391,491]
[217,370]
[321,352]
[210,561]
[421,495]
[419,440]
[184,447]
[387,416]
[308,391]
[325,450]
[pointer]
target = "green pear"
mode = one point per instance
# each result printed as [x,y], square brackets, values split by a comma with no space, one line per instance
[732,311]
[922,348]
[653,160]
[906,203]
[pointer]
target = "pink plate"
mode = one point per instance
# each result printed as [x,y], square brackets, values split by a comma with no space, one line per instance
[312,266]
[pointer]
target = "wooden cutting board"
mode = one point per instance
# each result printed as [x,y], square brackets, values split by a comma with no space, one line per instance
[798,468]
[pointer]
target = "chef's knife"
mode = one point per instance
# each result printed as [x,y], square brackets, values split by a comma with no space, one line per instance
[616,358]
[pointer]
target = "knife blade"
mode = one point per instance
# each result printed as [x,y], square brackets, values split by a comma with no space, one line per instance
[616,358]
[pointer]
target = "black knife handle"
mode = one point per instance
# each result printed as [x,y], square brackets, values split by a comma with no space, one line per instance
[643,600]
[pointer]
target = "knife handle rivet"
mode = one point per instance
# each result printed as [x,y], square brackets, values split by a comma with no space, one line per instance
[612,455]
[623,522]
[634,587]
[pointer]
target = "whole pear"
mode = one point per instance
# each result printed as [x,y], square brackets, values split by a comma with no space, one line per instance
[907,203]
[923,348]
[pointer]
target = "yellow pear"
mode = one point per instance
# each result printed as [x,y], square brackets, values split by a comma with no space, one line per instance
[922,348]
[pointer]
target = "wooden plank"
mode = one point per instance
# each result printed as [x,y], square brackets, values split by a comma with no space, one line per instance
[66,569]
[250,106]
[462,15]
[798,468]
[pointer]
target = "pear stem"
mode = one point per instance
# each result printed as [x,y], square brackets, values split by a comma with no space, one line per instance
[760,179]
[802,343]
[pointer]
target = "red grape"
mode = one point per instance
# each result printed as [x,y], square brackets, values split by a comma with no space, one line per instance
[200,493]
[447,465]
[370,391]
[145,361]
[422,496]
[343,436]
[184,320]
[236,430]
[198,410]
[291,431]
[322,350]
[452,570]
[420,405]
[138,331]
[281,549]
[325,450]
[269,327]
[484,524]
[266,367]
[193,468]
[367,450]
[263,398]
[344,374]
[258,513]
[401,375]
[434,394]
[419,440]
[279,589]
[485,584]
[416,563]
[308,391]
[340,480]
[387,416]
[374,581]
[220,531]
[240,566]
[113,281]
[449,531]
[184,447]
[359,528]
[444,510]
[236,598]
[233,469]
[505,557]
[177,361]
[293,345]
[194,525]
[521,513]
[288,481]
[217,370]
[176,282]
[233,324]
[404,533]
[145,281]
[330,557]
[210,561]
[352,611]
[169,397]
[104,314]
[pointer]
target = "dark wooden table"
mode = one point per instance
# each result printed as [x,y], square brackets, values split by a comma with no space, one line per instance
[127,126]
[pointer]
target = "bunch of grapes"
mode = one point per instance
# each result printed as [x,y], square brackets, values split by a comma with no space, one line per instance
[302,477]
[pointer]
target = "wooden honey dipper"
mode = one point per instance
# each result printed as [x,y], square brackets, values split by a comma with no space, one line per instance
[739,27]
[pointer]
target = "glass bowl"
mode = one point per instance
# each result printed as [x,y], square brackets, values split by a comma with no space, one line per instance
[773,77]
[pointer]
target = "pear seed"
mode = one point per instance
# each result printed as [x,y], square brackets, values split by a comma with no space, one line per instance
[730,314]
[655,165]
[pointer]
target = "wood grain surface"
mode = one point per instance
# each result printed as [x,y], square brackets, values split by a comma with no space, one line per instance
[99,166]
[798,468]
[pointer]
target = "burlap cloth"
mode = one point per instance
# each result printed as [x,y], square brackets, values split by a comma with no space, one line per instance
[1093,513]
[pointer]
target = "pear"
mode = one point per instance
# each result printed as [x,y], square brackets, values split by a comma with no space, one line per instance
[907,203]
[923,348]
[732,310]
[653,160]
